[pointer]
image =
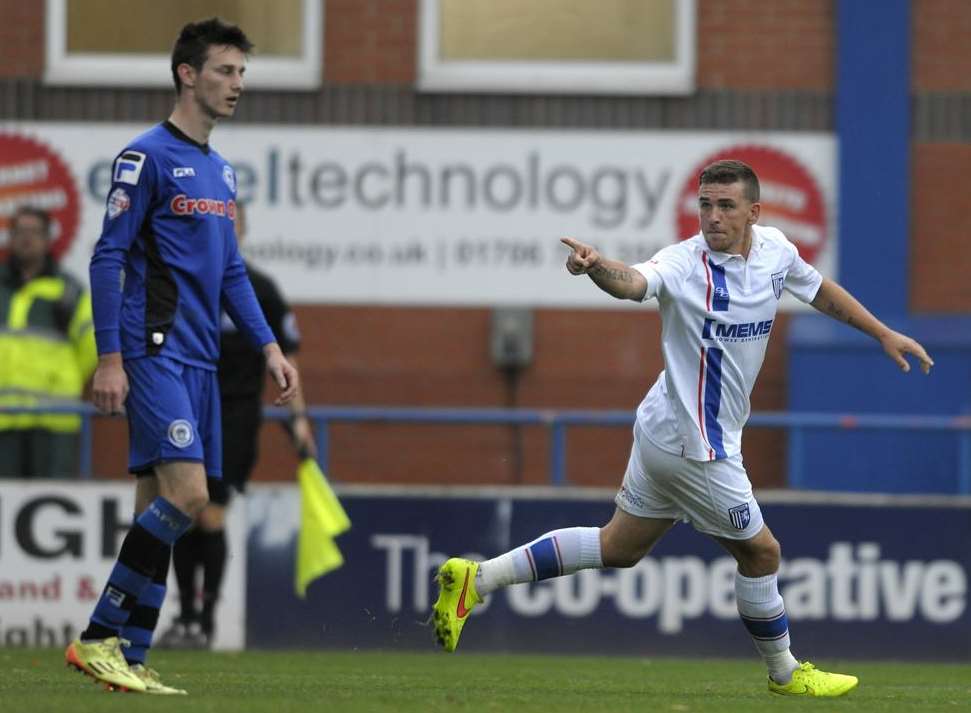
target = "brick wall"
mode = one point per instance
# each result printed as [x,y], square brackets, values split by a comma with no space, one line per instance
[21,38]
[439,357]
[751,44]
[941,61]
[939,258]
[742,44]
[370,41]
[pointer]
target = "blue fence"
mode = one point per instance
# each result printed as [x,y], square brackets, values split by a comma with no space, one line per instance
[798,424]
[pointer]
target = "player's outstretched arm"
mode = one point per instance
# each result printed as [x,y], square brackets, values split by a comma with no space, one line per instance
[283,373]
[613,277]
[835,301]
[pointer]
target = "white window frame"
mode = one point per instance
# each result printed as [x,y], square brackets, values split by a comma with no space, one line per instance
[556,77]
[129,70]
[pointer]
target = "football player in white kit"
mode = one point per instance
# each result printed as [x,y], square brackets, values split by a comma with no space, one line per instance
[718,293]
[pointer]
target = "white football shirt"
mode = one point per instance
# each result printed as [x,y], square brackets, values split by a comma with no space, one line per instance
[717,311]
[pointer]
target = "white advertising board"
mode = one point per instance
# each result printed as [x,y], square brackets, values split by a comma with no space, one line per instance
[58,543]
[405,216]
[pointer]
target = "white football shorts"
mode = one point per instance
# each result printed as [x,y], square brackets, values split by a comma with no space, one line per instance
[715,497]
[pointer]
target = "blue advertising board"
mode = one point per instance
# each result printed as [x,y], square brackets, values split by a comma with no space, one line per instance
[878,578]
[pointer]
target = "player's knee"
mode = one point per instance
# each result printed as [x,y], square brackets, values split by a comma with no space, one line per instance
[193,501]
[765,559]
[198,502]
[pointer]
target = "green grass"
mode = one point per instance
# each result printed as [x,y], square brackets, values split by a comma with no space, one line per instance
[36,680]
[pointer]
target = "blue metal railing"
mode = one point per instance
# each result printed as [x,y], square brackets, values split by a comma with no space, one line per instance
[558,421]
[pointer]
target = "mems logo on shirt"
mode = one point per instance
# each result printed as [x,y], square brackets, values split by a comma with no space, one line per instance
[736,332]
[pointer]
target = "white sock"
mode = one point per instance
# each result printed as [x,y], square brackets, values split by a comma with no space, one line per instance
[764,614]
[551,555]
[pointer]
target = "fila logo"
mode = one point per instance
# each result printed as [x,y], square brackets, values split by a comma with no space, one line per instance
[128,167]
[183,171]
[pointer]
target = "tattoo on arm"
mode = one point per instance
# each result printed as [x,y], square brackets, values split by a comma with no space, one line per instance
[608,273]
[834,310]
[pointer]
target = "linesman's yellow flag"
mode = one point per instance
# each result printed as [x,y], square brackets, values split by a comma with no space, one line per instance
[322,518]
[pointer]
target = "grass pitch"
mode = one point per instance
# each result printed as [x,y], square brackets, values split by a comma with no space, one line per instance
[36,680]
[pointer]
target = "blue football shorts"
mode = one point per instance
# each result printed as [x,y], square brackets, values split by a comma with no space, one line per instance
[173,415]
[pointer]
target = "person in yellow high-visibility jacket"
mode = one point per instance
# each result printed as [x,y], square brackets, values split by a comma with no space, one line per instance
[47,352]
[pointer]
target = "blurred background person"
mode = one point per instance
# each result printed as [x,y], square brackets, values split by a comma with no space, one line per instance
[241,382]
[47,352]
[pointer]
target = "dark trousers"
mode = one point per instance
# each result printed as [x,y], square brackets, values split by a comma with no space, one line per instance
[38,453]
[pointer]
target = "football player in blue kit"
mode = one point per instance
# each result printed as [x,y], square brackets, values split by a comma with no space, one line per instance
[166,262]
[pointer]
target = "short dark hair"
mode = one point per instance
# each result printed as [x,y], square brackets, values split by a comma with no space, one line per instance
[196,38]
[731,171]
[39,213]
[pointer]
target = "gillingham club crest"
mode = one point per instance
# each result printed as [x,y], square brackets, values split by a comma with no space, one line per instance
[740,516]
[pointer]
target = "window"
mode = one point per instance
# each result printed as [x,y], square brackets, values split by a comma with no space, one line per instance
[581,46]
[105,42]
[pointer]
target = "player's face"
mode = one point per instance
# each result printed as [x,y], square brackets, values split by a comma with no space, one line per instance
[28,239]
[726,216]
[220,82]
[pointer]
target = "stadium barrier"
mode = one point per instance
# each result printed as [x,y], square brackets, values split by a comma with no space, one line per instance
[863,575]
[560,421]
[882,577]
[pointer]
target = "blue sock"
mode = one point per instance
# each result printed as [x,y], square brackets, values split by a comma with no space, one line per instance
[149,539]
[144,617]
[554,554]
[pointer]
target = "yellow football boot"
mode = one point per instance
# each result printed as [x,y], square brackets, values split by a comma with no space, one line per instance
[153,682]
[104,662]
[456,599]
[807,680]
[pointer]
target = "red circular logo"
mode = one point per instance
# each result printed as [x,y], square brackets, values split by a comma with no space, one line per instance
[31,173]
[791,199]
